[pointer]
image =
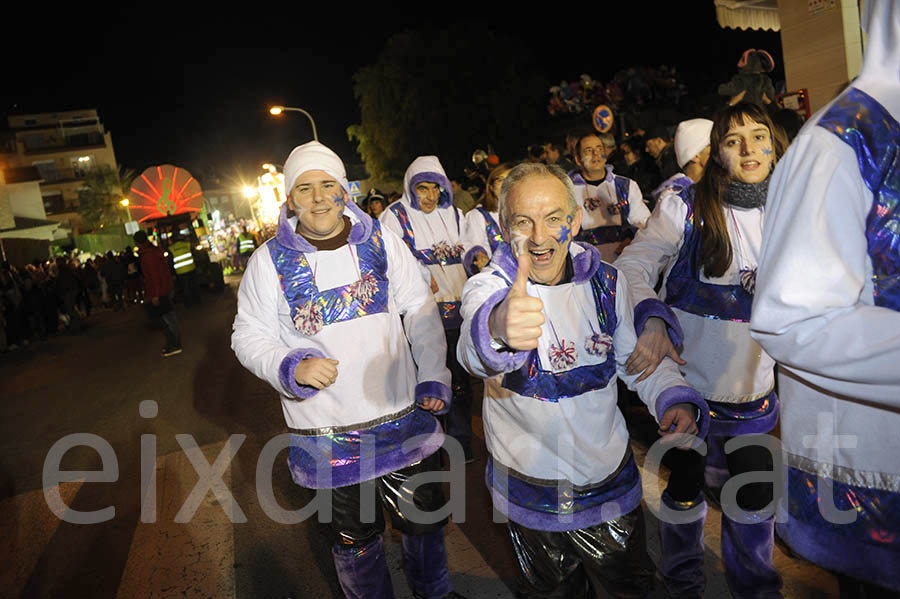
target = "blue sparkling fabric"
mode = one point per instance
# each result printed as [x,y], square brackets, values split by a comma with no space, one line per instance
[612,233]
[685,291]
[533,381]
[864,124]
[561,500]
[494,235]
[450,315]
[742,411]
[426,256]
[877,512]
[340,452]
[340,303]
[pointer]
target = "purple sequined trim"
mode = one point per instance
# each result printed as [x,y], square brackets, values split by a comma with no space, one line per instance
[867,549]
[867,127]
[491,228]
[337,456]
[533,381]
[367,296]
[555,508]
[685,291]
[426,256]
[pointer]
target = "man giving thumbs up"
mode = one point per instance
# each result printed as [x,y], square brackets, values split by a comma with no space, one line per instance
[548,324]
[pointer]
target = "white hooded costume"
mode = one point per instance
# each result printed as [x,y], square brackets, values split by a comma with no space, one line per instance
[827,308]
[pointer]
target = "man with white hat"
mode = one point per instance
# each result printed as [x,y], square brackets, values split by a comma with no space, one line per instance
[691,153]
[360,414]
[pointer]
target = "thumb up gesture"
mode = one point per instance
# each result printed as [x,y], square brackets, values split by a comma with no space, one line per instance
[517,320]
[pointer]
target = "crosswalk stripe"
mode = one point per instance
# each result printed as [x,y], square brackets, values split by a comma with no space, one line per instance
[169,559]
[28,524]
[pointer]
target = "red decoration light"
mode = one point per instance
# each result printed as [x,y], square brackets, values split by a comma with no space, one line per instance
[164,190]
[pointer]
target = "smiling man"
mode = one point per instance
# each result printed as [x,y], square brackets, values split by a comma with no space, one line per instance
[613,205]
[435,232]
[330,278]
[549,324]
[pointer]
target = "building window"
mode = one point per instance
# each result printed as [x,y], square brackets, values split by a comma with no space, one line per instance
[82,164]
[47,169]
[54,203]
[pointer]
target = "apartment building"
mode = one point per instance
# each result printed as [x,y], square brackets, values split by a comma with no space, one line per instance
[63,147]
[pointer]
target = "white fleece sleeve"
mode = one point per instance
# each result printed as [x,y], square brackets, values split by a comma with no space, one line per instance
[638,213]
[255,337]
[813,308]
[421,320]
[646,258]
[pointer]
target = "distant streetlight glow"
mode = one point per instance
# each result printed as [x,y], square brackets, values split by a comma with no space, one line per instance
[277,110]
[249,192]
[125,202]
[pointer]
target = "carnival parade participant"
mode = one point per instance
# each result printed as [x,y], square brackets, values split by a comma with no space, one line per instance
[435,232]
[691,153]
[613,205]
[827,307]
[483,221]
[705,241]
[554,321]
[330,277]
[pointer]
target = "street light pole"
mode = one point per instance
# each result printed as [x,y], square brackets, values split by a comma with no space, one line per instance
[277,110]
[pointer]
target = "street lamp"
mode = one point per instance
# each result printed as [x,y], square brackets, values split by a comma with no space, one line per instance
[277,110]
[126,203]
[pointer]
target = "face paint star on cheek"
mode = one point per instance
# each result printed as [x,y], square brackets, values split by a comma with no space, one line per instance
[338,200]
[564,234]
[766,151]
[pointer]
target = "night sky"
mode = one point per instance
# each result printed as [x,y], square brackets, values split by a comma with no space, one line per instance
[191,86]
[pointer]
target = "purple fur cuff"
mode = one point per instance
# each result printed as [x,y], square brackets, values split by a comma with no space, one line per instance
[685,394]
[535,520]
[436,390]
[495,361]
[469,259]
[289,365]
[653,307]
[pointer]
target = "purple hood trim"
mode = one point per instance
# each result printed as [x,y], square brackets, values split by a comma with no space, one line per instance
[446,198]
[578,179]
[585,263]
[288,237]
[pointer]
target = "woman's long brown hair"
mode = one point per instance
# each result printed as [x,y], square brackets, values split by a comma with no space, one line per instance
[709,214]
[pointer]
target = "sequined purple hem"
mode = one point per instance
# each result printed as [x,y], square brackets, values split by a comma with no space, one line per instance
[339,453]
[750,418]
[867,127]
[867,549]
[551,507]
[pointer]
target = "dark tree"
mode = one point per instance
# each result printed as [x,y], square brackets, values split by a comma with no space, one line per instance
[446,92]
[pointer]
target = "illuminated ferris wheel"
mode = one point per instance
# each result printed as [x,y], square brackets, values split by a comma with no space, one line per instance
[162,191]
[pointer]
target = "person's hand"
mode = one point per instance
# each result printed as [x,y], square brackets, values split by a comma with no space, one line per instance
[316,372]
[432,404]
[652,346]
[517,320]
[154,301]
[481,260]
[434,285]
[678,426]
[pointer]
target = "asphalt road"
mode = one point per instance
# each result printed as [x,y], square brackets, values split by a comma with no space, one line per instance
[94,383]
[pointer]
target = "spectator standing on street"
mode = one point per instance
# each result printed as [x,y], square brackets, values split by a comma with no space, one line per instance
[160,290]
[246,245]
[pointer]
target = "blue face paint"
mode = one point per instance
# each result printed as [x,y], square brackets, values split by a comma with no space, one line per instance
[767,151]
[338,200]
[564,233]
[569,219]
